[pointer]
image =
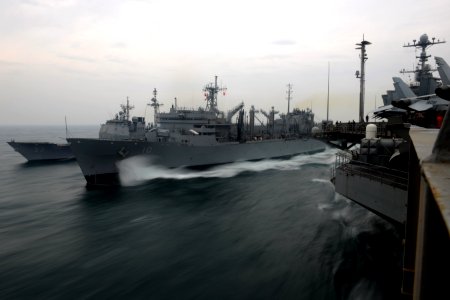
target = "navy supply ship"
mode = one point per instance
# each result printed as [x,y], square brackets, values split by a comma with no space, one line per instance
[193,138]
[42,151]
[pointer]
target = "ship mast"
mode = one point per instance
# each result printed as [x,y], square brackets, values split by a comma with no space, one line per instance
[211,91]
[126,109]
[422,44]
[328,93]
[362,77]
[155,104]
[289,93]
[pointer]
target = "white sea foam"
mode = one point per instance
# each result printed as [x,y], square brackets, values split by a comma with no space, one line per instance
[324,206]
[321,180]
[138,169]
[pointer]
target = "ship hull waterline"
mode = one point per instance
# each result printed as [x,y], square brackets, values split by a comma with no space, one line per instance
[98,158]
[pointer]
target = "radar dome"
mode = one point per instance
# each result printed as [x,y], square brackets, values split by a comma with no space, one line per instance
[424,38]
[315,130]
[371,131]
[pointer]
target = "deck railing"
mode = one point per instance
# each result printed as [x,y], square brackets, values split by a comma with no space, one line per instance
[384,175]
[354,128]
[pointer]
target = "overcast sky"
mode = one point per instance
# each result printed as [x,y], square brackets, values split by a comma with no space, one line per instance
[82,59]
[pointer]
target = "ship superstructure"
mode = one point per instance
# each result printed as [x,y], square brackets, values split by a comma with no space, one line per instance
[121,127]
[417,102]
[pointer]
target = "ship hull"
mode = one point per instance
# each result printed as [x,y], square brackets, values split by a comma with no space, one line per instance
[43,151]
[98,158]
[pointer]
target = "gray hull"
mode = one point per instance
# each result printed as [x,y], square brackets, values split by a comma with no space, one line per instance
[97,158]
[39,151]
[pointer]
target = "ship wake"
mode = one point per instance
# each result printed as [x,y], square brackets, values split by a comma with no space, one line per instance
[138,169]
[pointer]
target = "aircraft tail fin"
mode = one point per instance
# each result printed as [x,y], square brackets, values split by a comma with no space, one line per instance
[443,69]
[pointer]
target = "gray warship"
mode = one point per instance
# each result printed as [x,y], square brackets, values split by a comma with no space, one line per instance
[401,172]
[43,151]
[194,138]
[382,160]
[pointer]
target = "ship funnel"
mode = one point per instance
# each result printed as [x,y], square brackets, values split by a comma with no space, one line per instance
[371,131]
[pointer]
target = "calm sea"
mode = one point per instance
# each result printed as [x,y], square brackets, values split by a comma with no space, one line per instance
[258,230]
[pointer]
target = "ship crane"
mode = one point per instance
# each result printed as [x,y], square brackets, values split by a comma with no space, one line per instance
[232,112]
[273,112]
[265,114]
[260,122]
[255,111]
[270,118]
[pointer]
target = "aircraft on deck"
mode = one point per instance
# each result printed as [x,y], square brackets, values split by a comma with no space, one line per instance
[420,103]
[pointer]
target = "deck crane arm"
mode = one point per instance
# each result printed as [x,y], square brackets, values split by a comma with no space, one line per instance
[232,112]
[265,113]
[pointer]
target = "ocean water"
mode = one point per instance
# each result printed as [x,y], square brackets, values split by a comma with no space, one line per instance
[271,229]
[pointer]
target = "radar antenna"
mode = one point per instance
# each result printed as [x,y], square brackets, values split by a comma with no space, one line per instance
[422,44]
